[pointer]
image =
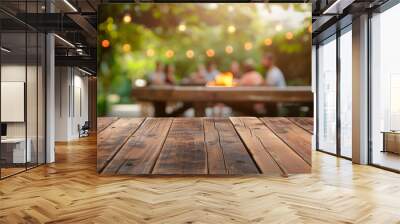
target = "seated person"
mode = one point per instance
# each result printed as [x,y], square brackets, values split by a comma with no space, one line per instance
[235,69]
[197,77]
[250,76]
[158,76]
[170,74]
[274,76]
[211,71]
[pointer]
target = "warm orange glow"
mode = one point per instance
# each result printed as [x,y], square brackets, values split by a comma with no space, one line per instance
[210,53]
[310,28]
[229,49]
[248,46]
[268,41]
[126,48]
[150,52]
[190,54]
[289,35]
[105,43]
[231,29]
[223,79]
[127,18]
[169,53]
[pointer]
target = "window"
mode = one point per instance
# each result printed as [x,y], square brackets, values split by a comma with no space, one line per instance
[327,96]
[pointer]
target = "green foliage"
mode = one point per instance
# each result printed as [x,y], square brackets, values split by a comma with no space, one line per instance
[155,27]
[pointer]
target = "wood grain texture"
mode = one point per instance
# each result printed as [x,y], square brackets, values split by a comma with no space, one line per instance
[307,123]
[140,153]
[184,150]
[297,138]
[104,122]
[71,191]
[264,160]
[111,139]
[255,134]
[226,152]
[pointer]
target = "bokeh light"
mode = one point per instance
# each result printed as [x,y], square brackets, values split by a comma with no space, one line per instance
[150,52]
[105,43]
[182,27]
[126,48]
[231,29]
[210,53]
[127,18]
[189,53]
[279,27]
[289,35]
[169,53]
[267,41]
[248,46]
[229,49]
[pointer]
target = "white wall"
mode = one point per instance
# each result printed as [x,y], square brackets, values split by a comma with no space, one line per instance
[71,102]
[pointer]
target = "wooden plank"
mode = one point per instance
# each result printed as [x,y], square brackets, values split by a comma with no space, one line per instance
[307,123]
[263,159]
[140,153]
[297,138]
[111,139]
[104,122]
[226,152]
[184,149]
[260,139]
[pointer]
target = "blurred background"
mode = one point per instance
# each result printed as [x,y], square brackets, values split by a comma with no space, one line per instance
[200,45]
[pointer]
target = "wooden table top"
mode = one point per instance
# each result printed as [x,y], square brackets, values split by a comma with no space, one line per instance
[224,94]
[204,146]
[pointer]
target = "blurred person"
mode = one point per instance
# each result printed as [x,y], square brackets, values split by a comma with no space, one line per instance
[273,76]
[250,76]
[211,71]
[170,74]
[198,77]
[158,77]
[235,69]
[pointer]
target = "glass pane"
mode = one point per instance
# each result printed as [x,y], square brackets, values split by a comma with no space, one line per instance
[14,146]
[386,89]
[346,94]
[327,97]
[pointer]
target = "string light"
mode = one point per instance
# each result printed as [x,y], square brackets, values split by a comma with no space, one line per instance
[268,41]
[150,52]
[231,29]
[105,43]
[248,46]
[126,48]
[229,49]
[190,54]
[127,18]
[182,27]
[278,27]
[210,53]
[289,35]
[169,53]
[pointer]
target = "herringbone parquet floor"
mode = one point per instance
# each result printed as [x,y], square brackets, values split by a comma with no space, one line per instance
[70,191]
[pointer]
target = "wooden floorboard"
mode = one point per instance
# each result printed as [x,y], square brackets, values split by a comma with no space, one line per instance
[112,138]
[71,191]
[306,123]
[202,146]
[104,122]
[226,152]
[184,150]
[297,138]
[256,135]
[140,153]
